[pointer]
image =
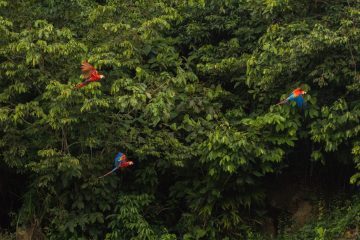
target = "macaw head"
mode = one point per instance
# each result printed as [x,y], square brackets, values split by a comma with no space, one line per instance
[298,92]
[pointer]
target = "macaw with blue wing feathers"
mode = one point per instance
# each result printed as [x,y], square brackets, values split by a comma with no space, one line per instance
[120,161]
[297,96]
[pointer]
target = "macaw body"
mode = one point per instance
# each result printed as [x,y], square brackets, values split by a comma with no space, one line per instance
[120,161]
[90,74]
[296,96]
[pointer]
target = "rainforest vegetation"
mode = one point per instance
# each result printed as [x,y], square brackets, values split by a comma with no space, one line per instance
[189,94]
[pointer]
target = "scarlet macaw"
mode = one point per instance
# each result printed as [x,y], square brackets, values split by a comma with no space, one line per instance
[120,161]
[296,96]
[89,74]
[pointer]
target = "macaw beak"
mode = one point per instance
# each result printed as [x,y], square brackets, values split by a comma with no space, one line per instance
[102,76]
[304,92]
[131,163]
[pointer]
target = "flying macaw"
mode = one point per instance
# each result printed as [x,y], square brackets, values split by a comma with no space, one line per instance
[120,161]
[89,74]
[297,96]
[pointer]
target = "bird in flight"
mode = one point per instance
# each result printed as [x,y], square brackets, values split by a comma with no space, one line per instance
[297,96]
[90,74]
[120,161]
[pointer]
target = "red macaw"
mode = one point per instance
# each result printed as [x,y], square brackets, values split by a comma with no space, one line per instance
[296,96]
[89,74]
[120,161]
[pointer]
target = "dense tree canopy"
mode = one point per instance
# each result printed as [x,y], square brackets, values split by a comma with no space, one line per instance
[189,94]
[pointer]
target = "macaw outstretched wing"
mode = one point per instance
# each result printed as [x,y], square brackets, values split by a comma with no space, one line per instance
[300,102]
[115,168]
[87,69]
[117,159]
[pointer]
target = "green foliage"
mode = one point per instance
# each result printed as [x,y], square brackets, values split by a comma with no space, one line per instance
[128,221]
[340,221]
[188,94]
[7,236]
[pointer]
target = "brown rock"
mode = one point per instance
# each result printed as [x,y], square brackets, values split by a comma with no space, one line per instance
[302,214]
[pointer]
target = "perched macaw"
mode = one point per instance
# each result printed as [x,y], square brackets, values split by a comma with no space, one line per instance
[297,96]
[89,74]
[120,161]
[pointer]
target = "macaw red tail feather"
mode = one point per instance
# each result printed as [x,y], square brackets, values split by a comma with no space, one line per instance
[109,172]
[282,102]
[80,85]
